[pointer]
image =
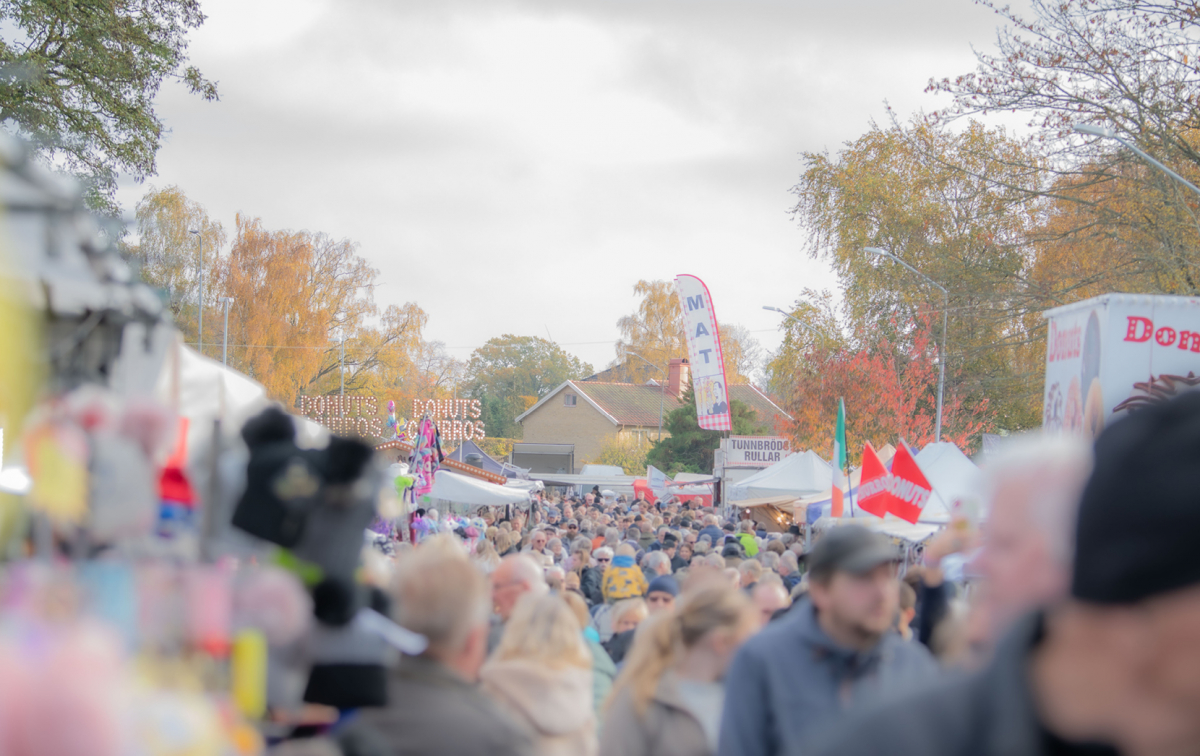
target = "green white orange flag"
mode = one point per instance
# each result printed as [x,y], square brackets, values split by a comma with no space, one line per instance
[839,461]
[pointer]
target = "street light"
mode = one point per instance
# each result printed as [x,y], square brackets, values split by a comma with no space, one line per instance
[786,314]
[661,387]
[200,335]
[1103,133]
[226,301]
[937,430]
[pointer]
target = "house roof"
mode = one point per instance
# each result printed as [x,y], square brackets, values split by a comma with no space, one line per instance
[637,404]
[768,411]
[629,403]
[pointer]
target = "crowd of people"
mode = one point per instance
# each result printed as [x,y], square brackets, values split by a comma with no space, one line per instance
[598,626]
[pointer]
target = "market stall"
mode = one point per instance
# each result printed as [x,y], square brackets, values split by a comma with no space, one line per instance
[774,513]
[799,474]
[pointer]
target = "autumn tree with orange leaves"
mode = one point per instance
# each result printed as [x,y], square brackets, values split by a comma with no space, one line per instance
[889,385]
[296,295]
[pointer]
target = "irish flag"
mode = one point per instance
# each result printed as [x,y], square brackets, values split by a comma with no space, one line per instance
[839,461]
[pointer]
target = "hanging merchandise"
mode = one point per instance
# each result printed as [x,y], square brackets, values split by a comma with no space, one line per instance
[395,425]
[426,459]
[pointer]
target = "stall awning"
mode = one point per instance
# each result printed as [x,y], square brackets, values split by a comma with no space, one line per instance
[450,464]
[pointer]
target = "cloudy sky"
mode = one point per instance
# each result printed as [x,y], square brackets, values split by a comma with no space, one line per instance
[515,166]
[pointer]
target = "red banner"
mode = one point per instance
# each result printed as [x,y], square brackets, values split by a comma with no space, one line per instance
[874,486]
[910,489]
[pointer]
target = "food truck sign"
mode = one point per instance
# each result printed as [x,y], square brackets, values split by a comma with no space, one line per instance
[1111,353]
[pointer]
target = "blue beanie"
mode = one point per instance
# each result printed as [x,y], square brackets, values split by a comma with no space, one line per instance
[664,584]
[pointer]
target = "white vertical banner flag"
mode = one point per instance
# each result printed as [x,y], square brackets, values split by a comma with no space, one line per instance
[657,480]
[704,350]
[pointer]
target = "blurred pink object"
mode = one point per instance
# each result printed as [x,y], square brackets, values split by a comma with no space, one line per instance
[210,609]
[272,600]
[73,699]
[150,425]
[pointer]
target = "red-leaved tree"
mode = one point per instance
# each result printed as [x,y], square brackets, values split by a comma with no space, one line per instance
[890,388]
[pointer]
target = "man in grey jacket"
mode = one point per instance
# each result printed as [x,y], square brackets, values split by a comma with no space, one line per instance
[433,704]
[827,655]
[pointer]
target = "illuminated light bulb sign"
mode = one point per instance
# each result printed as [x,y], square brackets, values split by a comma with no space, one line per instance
[345,415]
[457,419]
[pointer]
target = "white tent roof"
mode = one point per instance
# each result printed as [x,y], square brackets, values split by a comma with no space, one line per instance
[460,489]
[201,390]
[952,476]
[799,474]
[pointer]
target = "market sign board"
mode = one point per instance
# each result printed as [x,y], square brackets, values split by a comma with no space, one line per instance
[1112,353]
[707,359]
[755,451]
[457,419]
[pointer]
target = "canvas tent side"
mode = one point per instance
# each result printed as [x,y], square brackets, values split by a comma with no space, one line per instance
[799,474]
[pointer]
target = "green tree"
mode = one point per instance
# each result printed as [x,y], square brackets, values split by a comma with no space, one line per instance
[944,201]
[507,369]
[690,448]
[79,79]
[626,452]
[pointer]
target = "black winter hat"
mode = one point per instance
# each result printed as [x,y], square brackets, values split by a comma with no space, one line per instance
[1139,517]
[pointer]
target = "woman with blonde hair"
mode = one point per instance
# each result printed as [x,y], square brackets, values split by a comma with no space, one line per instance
[541,673]
[485,556]
[668,698]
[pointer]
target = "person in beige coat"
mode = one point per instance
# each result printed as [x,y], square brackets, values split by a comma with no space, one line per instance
[541,673]
[667,700]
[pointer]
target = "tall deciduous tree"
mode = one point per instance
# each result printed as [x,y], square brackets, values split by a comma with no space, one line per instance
[742,352]
[689,448]
[1132,66]
[509,373]
[941,201]
[889,385]
[79,80]
[169,254]
[655,332]
[297,294]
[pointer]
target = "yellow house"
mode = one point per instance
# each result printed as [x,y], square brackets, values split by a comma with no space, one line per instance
[588,414]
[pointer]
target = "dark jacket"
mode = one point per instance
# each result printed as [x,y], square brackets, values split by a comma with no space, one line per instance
[989,713]
[715,534]
[589,585]
[433,710]
[790,681]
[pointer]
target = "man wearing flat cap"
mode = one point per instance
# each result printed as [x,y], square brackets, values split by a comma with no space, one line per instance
[833,653]
[1114,668]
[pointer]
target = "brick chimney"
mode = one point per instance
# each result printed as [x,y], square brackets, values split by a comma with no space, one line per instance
[678,375]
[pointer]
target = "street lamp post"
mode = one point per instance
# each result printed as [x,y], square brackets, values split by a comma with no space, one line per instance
[937,430]
[1103,133]
[791,317]
[226,301]
[200,329]
[661,388]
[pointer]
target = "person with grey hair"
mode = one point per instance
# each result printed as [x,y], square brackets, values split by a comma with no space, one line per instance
[612,537]
[789,569]
[1032,490]
[656,563]
[517,575]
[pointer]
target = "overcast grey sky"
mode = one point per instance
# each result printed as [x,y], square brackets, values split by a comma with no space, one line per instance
[515,166]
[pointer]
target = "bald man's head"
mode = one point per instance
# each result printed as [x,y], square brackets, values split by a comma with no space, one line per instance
[517,575]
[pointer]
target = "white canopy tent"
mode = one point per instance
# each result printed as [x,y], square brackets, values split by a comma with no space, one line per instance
[461,489]
[201,390]
[800,474]
[952,475]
